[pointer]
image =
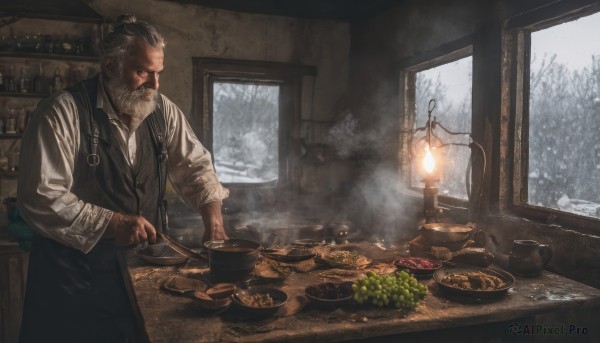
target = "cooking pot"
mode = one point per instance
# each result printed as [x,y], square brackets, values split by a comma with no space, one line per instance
[440,233]
[232,260]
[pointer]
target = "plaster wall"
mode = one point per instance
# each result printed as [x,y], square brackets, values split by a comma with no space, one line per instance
[196,31]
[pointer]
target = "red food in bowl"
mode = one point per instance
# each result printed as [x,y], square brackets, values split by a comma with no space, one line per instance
[418,265]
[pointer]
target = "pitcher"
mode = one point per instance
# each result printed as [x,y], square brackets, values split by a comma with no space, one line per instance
[528,257]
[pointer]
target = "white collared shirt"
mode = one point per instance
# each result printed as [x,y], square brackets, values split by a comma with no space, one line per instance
[49,149]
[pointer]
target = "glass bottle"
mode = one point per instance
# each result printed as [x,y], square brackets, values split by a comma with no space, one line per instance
[2,79]
[24,81]
[20,121]
[57,81]
[9,80]
[40,84]
[66,45]
[11,121]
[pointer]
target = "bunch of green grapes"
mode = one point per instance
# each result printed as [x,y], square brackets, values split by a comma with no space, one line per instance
[400,290]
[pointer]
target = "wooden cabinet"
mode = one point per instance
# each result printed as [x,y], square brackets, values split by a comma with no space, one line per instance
[13,274]
[38,56]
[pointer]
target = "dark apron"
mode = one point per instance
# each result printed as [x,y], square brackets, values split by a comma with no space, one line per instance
[75,297]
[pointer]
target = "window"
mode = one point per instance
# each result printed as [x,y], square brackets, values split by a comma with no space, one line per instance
[245,132]
[446,78]
[557,165]
[244,112]
[450,86]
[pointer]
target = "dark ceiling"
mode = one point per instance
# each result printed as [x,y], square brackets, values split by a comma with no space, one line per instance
[339,10]
[342,10]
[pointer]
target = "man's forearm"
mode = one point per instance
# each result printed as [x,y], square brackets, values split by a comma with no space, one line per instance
[213,221]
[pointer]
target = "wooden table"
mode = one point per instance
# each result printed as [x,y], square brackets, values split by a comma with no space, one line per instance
[167,317]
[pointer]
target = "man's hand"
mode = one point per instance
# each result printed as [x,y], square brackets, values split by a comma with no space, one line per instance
[130,229]
[213,222]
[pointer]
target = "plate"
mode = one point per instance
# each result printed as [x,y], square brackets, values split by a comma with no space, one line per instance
[290,258]
[418,265]
[330,294]
[345,259]
[446,271]
[271,271]
[160,254]
[295,254]
[182,285]
[306,243]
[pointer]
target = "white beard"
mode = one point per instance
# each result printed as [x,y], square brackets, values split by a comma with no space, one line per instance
[137,104]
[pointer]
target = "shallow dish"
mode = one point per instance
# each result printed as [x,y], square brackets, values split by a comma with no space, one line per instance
[344,259]
[445,271]
[181,285]
[209,303]
[221,290]
[306,243]
[248,300]
[271,271]
[295,254]
[418,265]
[330,294]
[160,254]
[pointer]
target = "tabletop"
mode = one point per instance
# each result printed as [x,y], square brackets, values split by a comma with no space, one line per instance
[171,317]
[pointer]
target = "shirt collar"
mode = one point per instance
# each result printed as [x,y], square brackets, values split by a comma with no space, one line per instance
[103,102]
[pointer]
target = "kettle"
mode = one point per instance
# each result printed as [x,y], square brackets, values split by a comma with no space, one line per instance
[526,258]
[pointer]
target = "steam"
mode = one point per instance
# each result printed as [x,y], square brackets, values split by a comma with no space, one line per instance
[383,207]
[344,138]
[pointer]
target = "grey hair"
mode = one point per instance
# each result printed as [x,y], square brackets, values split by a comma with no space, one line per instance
[127,32]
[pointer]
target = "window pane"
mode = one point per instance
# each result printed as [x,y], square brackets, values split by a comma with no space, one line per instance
[450,85]
[245,132]
[564,118]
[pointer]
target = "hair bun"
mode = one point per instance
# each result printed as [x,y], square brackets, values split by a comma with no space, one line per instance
[125,19]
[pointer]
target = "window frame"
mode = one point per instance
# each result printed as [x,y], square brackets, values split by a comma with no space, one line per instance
[289,77]
[518,31]
[408,68]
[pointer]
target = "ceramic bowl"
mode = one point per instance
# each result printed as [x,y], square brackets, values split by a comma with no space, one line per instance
[260,301]
[330,294]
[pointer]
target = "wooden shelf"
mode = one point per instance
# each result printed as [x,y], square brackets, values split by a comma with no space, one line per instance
[34,55]
[8,173]
[10,135]
[24,95]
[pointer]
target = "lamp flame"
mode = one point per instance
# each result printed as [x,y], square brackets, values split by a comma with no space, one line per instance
[429,162]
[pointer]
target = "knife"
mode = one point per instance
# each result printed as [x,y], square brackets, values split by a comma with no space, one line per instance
[185,251]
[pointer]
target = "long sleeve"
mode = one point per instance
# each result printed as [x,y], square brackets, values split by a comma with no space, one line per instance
[49,148]
[190,166]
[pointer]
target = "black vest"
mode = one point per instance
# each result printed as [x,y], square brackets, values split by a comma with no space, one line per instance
[112,183]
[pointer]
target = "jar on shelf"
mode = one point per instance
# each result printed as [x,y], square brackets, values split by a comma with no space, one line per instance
[21,120]
[24,82]
[9,80]
[11,121]
[57,81]
[40,84]
[2,88]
